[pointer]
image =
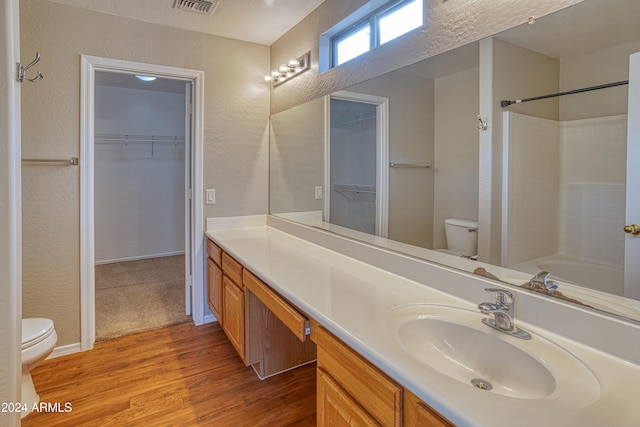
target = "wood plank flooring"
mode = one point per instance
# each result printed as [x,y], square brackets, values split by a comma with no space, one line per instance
[182,375]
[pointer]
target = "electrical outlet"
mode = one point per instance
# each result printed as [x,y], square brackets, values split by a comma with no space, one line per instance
[210,196]
[318,192]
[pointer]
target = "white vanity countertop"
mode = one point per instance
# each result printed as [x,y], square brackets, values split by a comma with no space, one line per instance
[351,299]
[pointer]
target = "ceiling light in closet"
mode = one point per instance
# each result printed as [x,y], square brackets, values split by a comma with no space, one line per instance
[146,78]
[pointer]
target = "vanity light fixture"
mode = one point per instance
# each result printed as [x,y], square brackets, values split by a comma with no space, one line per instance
[294,67]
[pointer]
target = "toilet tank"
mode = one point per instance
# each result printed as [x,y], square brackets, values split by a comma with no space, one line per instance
[462,236]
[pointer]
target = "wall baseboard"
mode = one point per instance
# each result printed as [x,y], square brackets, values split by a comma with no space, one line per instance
[209,318]
[137,258]
[65,350]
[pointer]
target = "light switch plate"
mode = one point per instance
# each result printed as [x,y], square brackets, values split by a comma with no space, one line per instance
[210,196]
[318,192]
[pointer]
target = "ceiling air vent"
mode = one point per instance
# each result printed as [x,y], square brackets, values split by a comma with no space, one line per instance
[205,7]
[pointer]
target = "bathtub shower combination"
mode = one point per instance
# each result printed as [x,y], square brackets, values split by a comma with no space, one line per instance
[564,199]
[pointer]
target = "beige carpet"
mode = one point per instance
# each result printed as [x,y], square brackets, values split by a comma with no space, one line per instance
[137,296]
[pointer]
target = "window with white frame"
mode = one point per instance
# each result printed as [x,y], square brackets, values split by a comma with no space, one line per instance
[386,23]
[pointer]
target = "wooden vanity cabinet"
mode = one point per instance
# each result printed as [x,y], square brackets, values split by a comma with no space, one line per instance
[353,392]
[233,315]
[271,334]
[214,279]
[225,295]
[418,413]
[265,329]
[336,407]
[233,304]
[350,375]
[277,332]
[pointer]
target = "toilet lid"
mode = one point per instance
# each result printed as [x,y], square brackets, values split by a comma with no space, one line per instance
[35,330]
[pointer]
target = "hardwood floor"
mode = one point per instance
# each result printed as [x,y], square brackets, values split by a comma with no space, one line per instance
[183,375]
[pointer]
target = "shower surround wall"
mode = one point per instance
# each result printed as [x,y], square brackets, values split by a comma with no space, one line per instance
[593,185]
[566,189]
[139,186]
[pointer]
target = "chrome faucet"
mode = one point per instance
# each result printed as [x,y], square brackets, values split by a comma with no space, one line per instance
[503,313]
[542,278]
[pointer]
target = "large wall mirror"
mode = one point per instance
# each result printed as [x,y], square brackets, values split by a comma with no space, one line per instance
[557,166]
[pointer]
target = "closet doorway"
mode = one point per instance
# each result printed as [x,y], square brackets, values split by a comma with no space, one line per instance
[141,213]
[357,162]
[139,171]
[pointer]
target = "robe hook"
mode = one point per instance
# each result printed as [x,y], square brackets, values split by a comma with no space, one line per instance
[482,124]
[22,70]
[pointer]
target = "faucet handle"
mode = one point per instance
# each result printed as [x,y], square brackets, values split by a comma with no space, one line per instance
[542,277]
[502,296]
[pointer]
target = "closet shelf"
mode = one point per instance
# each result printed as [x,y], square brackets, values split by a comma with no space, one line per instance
[354,188]
[125,140]
[359,193]
[108,138]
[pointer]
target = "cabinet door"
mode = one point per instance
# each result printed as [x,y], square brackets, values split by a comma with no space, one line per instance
[371,388]
[335,407]
[418,413]
[233,314]
[214,289]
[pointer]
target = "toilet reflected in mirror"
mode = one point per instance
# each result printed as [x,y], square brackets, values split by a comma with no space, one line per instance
[462,237]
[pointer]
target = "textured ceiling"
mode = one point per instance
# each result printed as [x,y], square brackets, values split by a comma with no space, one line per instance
[257,21]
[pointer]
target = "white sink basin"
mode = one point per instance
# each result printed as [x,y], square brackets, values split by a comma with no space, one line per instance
[453,342]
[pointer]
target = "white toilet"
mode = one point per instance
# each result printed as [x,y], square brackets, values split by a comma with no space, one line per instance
[39,338]
[462,237]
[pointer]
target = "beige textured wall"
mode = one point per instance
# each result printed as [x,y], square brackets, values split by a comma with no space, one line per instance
[517,73]
[10,310]
[534,150]
[410,141]
[595,68]
[297,158]
[235,134]
[448,24]
[456,150]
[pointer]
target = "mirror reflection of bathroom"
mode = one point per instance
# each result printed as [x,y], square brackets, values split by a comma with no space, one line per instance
[352,165]
[566,173]
[356,198]
[139,203]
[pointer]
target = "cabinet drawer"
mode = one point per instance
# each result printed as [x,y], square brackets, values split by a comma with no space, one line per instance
[214,252]
[293,320]
[377,393]
[232,268]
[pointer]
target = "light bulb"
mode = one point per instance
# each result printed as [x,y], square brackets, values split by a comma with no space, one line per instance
[146,78]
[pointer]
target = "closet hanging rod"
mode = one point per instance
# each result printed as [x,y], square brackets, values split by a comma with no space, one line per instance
[505,103]
[68,162]
[126,137]
[354,188]
[137,141]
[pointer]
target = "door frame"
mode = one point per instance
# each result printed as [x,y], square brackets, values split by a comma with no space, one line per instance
[89,66]
[632,208]
[382,155]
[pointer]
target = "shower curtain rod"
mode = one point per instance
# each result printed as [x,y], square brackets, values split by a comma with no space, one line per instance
[505,103]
